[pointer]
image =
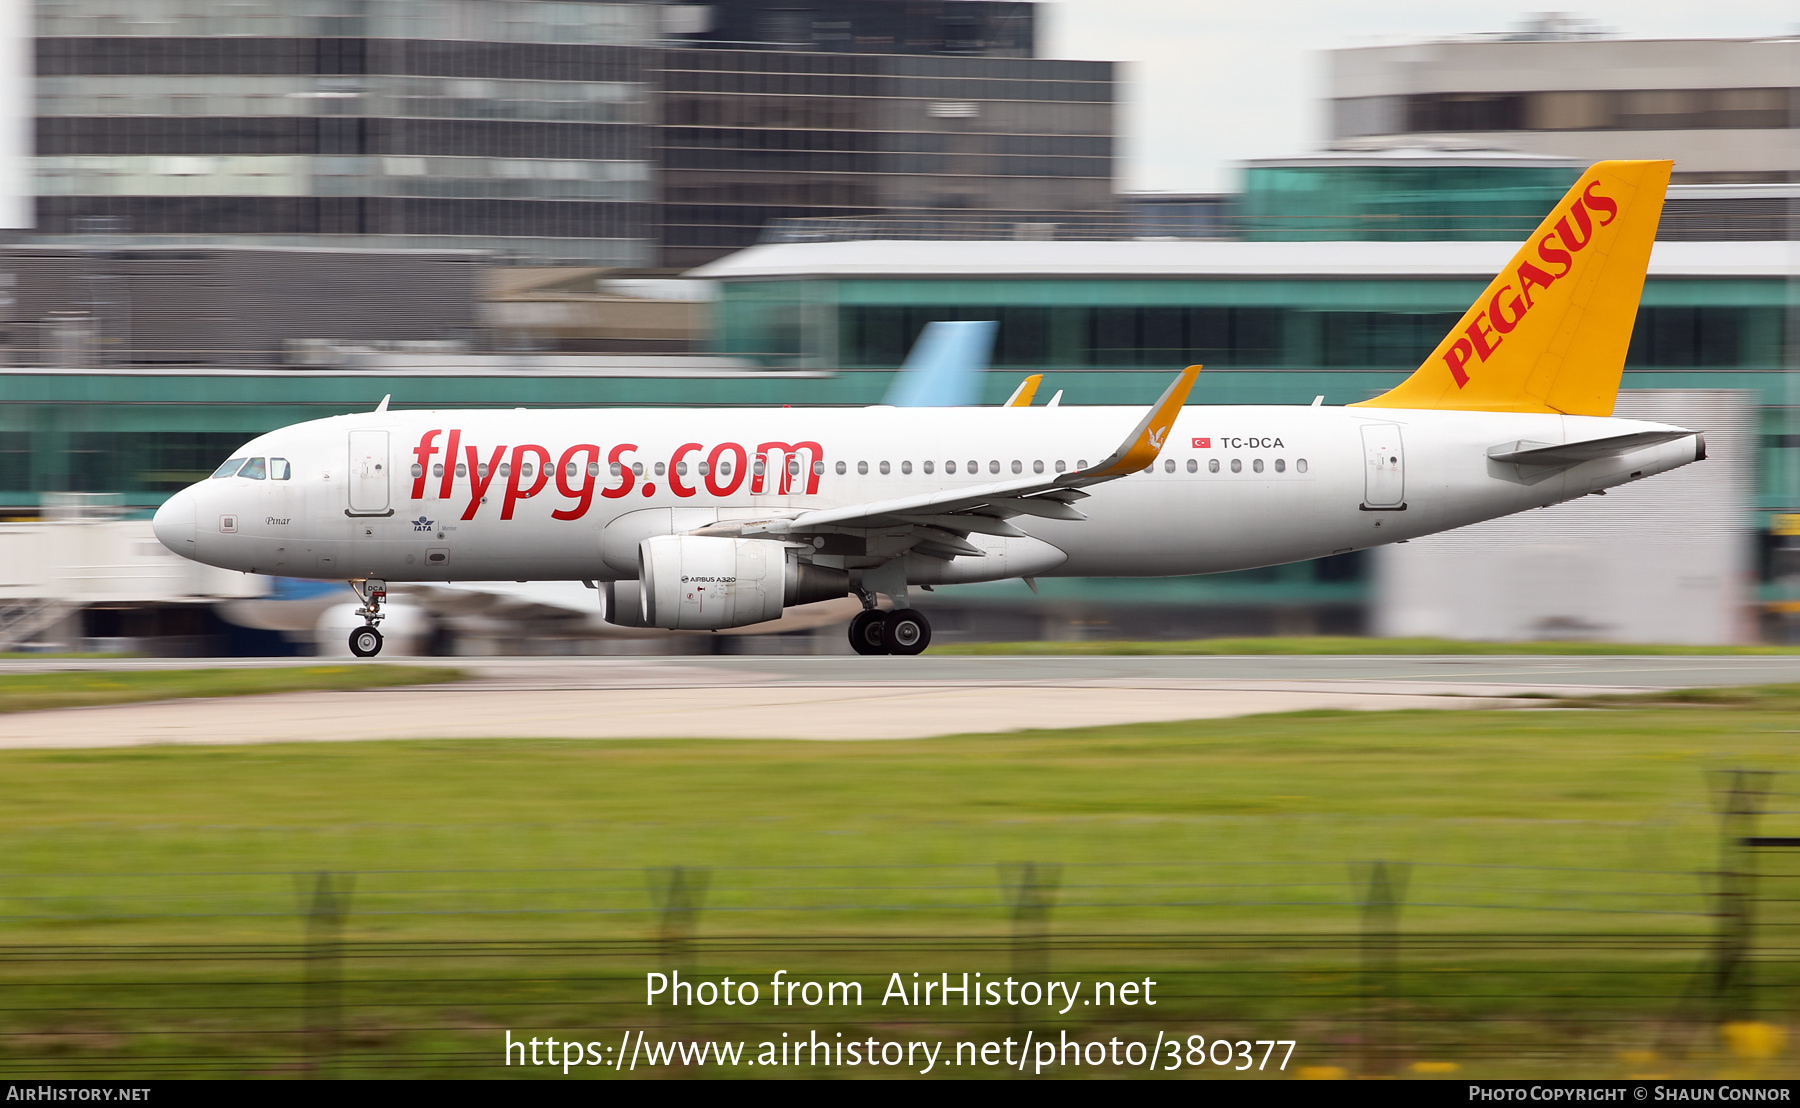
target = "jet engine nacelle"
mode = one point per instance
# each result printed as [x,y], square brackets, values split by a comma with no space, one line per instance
[696,583]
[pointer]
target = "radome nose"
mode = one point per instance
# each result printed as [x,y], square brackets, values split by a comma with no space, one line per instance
[174,523]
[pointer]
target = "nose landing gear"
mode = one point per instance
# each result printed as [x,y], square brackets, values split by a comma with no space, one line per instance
[904,631]
[365,641]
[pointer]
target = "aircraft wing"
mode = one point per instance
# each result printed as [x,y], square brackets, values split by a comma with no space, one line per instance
[985,508]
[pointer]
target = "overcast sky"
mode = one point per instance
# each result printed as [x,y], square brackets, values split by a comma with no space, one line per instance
[1209,82]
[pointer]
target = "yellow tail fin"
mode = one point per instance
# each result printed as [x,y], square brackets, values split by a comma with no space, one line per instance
[1550,332]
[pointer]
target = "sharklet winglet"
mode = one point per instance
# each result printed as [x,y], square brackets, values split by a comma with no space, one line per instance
[1140,448]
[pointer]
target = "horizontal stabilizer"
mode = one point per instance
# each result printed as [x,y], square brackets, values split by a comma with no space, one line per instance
[1574,453]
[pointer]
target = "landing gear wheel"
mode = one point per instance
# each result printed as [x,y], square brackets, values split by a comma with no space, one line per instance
[865,632]
[905,632]
[365,642]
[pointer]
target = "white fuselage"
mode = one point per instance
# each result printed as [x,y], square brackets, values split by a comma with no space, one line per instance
[1290,483]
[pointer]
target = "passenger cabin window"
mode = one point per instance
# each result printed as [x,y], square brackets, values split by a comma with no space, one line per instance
[862,468]
[1193,466]
[905,467]
[927,465]
[1300,465]
[230,467]
[1168,465]
[279,470]
[1212,466]
[1237,465]
[1280,465]
[1257,465]
[884,468]
[840,468]
[256,469]
[949,467]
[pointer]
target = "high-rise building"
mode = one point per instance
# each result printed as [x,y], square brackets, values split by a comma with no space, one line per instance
[750,136]
[518,127]
[1726,110]
[629,134]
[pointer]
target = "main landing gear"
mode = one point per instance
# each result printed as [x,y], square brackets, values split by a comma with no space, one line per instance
[899,632]
[365,641]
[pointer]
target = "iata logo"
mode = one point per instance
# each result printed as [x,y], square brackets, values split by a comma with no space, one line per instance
[423,524]
[1558,248]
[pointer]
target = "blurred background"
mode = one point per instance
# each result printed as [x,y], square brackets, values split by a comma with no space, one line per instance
[217,219]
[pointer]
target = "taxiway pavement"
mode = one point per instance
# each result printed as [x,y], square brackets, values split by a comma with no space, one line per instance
[849,698]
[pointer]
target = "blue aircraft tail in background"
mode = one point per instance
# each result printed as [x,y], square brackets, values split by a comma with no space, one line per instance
[945,366]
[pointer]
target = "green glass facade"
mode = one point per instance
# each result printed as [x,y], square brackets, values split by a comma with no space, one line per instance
[1293,326]
[1310,203]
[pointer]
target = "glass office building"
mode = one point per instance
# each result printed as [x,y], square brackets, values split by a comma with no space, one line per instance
[752,136]
[518,127]
[617,134]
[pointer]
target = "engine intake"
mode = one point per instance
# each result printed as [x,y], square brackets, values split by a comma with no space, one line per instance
[695,583]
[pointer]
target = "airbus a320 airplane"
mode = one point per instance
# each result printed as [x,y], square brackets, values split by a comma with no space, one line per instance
[715,518]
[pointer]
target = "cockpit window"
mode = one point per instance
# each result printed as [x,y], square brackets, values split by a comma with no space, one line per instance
[278,469]
[255,469]
[230,467]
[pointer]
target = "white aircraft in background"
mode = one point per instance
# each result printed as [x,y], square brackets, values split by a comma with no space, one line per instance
[707,519]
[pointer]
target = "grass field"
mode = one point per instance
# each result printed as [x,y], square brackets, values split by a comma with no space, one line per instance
[27,692]
[1554,913]
[1339,644]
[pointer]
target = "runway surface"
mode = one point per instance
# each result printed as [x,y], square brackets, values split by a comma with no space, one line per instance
[849,698]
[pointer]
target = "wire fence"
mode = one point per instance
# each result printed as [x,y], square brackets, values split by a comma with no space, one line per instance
[965,894]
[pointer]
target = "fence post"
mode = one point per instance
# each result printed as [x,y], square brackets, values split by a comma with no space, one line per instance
[1030,889]
[1381,887]
[325,908]
[1738,796]
[678,893]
